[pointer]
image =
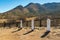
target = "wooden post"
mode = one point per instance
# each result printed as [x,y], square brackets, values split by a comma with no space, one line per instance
[27,23]
[48,24]
[40,22]
[4,24]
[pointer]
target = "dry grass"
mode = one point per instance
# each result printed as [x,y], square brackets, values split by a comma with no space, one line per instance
[6,34]
[3,20]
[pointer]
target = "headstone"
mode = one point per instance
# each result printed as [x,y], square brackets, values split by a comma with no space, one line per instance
[48,24]
[32,24]
[21,24]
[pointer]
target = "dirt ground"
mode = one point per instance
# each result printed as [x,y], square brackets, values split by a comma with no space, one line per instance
[6,34]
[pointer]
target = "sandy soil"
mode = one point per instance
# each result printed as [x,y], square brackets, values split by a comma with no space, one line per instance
[6,34]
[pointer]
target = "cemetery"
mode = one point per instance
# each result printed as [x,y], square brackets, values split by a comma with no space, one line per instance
[31,27]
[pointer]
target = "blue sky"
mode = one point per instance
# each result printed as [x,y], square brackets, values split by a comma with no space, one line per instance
[6,5]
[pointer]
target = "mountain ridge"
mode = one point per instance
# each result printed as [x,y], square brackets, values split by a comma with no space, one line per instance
[33,9]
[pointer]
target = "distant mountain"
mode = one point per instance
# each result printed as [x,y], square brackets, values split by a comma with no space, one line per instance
[36,8]
[33,9]
[53,7]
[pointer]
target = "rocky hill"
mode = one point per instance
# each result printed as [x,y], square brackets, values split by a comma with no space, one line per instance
[32,9]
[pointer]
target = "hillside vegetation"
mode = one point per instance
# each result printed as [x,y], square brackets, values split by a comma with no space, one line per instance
[32,9]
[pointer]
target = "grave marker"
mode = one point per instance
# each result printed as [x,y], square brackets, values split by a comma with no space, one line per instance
[32,24]
[48,24]
[21,24]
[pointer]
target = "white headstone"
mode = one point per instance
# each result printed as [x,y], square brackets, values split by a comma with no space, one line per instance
[32,24]
[48,24]
[21,23]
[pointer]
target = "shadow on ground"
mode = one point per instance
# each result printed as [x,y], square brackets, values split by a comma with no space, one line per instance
[28,32]
[17,30]
[45,34]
